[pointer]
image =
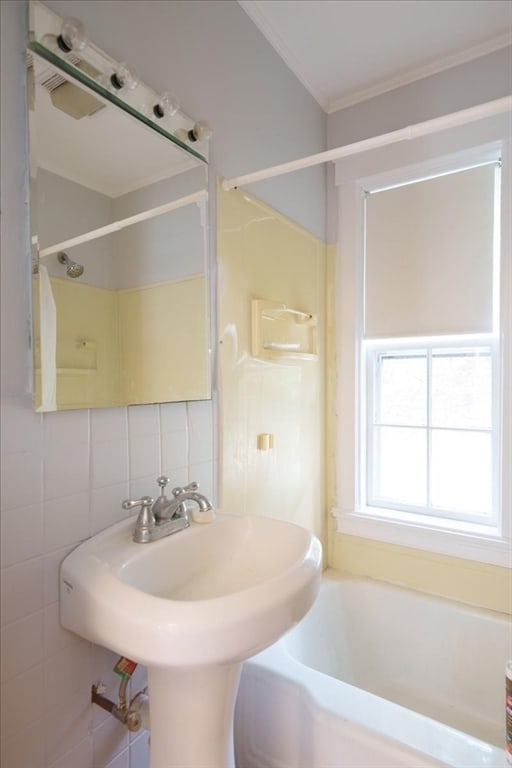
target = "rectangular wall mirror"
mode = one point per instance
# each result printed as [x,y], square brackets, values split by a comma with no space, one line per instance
[121,298]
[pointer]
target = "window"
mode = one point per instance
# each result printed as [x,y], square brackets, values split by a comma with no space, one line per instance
[431,445]
[423,295]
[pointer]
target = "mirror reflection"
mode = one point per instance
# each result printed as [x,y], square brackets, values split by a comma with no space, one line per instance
[121,309]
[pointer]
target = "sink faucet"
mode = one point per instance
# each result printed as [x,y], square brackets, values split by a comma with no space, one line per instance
[164,516]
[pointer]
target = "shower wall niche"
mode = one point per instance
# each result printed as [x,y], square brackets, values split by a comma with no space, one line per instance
[281,331]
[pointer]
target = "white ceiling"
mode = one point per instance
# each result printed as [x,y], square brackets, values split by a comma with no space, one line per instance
[345,51]
[108,151]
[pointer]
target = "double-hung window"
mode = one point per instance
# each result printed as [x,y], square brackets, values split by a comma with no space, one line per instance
[424,356]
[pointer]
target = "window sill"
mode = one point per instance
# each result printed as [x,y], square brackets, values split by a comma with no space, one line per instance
[428,534]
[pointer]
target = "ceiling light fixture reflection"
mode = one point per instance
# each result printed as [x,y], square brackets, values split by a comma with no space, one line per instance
[200,132]
[167,106]
[72,37]
[125,77]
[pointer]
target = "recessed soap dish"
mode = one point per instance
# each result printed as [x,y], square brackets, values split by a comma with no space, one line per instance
[282,331]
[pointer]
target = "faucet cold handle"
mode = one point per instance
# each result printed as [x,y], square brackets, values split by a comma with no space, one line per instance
[186,488]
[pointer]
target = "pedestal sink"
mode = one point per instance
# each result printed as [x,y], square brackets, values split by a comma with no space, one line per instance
[191,607]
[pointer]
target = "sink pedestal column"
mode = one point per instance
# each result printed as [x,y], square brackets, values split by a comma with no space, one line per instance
[191,716]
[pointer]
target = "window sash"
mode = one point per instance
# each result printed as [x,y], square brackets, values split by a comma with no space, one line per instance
[373,352]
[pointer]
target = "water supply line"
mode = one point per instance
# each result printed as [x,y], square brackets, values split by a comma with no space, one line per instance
[134,713]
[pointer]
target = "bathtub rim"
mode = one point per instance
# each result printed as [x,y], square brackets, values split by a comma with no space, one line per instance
[424,736]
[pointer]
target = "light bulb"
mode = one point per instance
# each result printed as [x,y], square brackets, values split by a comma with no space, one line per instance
[50,41]
[167,106]
[73,36]
[124,77]
[201,131]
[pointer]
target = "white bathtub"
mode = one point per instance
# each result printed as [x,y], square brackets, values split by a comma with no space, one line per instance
[376,676]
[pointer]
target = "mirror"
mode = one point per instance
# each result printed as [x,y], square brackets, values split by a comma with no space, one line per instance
[121,310]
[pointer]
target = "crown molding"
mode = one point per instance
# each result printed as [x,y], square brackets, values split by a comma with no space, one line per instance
[433,68]
[253,9]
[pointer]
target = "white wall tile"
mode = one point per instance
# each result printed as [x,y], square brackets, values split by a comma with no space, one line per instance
[109,463]
[203,474]
[22,428]
[174,452]
[143,420]
[21,480]
[173,417]
[21,590]
[139,751]
[22,702]
[120,761]
[68,673]
[109,739]
[21,645]
[21,533]
[78,757]
[66,469]
[200,422]
[66,521]
[180,477]
[109,424]
[143,486]
[66,725]
[145,457]
[25,748]
[106,506]
[71,427]
[55,636]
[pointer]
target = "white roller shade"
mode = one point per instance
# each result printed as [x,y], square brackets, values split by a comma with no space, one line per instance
[429,256]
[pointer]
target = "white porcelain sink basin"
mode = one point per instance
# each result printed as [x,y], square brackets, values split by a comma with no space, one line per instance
[211,594]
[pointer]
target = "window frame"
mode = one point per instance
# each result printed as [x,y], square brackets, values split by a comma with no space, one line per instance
[482,141]
[373,349]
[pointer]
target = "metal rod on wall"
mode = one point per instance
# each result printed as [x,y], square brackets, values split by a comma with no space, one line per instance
[196,197]
[454,119]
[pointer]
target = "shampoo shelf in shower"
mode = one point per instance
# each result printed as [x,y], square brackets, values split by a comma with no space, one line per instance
[76,359]
[279,331]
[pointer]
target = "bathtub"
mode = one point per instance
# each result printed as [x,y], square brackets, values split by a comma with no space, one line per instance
[376,676]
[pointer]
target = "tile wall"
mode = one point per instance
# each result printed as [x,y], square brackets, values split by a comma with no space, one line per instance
[64,476]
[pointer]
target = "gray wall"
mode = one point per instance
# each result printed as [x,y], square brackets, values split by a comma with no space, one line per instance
[211,55]
[472,83]
[64,474]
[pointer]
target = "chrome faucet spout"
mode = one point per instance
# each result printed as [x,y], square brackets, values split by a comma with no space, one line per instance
[164,516]
[176,506]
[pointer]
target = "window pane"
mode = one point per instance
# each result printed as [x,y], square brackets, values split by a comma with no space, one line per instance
[402,389]
[400,461]
[462,388]
[461,464]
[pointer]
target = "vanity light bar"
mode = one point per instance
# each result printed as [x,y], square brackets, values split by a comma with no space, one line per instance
[196,197]
[481,111]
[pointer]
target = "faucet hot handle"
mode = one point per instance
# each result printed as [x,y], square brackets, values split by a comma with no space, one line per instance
[146,501]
